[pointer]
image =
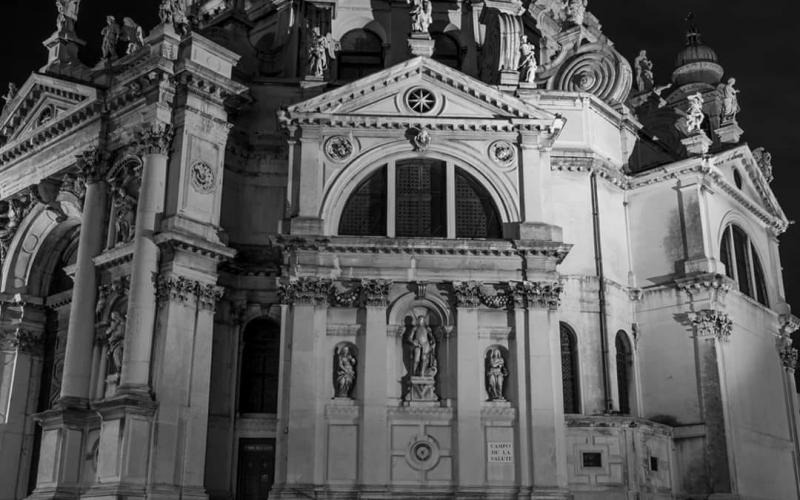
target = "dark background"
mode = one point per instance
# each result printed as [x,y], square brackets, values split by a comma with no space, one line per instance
[756,44]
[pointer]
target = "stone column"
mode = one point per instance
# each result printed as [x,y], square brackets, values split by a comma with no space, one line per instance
[308,300]
[546,417]
[374,469]
[76,382]
[471,456]
[518,349]
[154,144]
[710,328]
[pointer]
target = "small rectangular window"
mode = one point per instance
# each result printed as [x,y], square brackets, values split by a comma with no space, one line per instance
[654,464]
[593,459]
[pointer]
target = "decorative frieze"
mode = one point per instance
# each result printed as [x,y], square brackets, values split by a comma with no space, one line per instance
[716,286]
[712,323]
[154,139]
[183,290]
[516,293]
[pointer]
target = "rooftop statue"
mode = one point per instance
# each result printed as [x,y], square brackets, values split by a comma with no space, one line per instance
[421,15]
[527,63]
[644,72]
[694,115]
[730,101]
[173,12]
[110,38]
[321,49]
[133,34]
[10,95]
[67,15]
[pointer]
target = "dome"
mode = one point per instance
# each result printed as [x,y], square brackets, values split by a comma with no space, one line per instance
[696,63]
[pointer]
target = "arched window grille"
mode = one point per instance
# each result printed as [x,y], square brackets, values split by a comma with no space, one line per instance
[446,49]
[624,371]
[258,384]
[361,54]
[742,264]
[569,370]
[421,198]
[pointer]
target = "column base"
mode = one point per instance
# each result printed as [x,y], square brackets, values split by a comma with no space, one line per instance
[58,493]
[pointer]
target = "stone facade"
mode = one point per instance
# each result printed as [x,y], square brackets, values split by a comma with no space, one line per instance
[338,249]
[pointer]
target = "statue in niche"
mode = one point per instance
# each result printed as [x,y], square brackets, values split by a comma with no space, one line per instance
[424,347]
[124,215]
[321,50]
[421,15]
[730,101]
[110,38]
[115,336]
[496,373]
[345,370]
[527,60]
[644,72]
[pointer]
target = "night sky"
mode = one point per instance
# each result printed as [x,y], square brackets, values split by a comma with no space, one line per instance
[756,44]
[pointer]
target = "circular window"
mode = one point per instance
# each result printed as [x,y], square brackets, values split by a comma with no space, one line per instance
[420,100]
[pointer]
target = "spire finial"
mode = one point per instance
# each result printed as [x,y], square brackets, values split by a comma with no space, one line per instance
[692,32]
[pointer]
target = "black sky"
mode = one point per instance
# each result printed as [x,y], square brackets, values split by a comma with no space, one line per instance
[756,43]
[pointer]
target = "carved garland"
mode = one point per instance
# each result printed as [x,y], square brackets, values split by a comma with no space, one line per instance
[712,323]
[322,291]
[181,290]
[516,293]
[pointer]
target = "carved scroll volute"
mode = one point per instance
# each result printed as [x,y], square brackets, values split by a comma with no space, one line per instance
[500,52]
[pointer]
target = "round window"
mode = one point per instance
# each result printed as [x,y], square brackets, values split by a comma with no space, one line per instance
[420,100]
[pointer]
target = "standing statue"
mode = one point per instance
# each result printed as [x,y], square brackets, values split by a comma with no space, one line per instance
[575,11]
[421,15]
[424,344]
[67,15]
[644,72]
[110,38]
[10,95]
[527,63]
[496,373]
[115,336]
[124,215]
[345,371]
[694,115]
[165,12]
[730,102]
[133,34]
[321,49]
[173,12]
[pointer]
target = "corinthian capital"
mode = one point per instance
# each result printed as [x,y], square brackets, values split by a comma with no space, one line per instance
[91,165]
[154,139]
[712,323]
[376,292]
[305,291]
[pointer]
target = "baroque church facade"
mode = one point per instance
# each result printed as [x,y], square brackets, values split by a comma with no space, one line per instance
[349,249]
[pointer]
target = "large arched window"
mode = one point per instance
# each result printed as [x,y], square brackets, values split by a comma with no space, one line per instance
[569,370]
[742,264]
[258,385]
[420,198]
[446,49]
[624,371]
[361,54]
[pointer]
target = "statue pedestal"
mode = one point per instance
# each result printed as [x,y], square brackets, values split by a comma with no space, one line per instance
[62,57]
[729,132]
[112,381]
[423,390]
[420,44]
[697,144]
[509,77]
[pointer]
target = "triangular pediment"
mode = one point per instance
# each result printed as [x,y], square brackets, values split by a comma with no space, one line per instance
[41,101]
[754,180]
[392,94]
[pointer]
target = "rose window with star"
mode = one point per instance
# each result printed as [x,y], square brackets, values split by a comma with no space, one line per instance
[420,100]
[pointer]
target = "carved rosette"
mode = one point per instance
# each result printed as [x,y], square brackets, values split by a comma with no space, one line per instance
[203,178]
[184,290]
[502,153]
[338,148]
[91,165]
[598,69]
[712,323]
[154,139]
[305,291]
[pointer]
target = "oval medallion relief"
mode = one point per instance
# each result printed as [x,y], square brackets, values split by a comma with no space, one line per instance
[203,178]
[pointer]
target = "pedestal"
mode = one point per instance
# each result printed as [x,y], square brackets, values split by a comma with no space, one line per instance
[420,44]
[62,57]
[729,132]
[423,389]
[697,144]
[509,77]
